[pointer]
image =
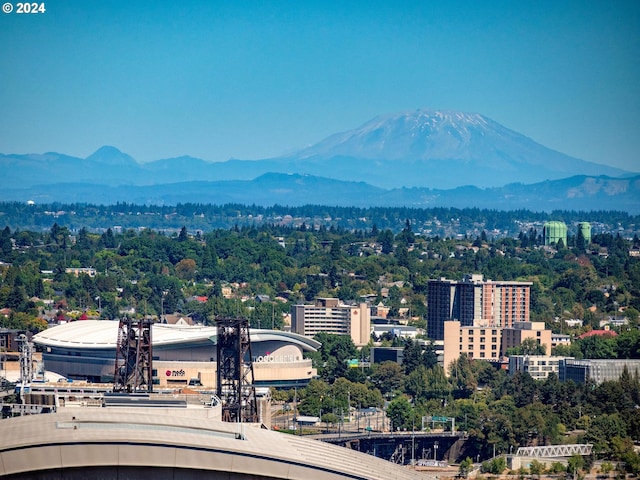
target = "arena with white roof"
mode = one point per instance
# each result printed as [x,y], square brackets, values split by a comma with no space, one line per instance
[182,354]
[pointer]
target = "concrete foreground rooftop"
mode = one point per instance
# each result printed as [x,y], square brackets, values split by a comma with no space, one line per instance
[110,443]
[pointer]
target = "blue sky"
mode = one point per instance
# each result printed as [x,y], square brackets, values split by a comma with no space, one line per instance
[252,80]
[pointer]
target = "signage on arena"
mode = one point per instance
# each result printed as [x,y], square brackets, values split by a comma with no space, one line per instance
[175,373]
[275,358]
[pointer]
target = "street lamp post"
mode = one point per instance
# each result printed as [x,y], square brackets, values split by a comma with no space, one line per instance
[164,294]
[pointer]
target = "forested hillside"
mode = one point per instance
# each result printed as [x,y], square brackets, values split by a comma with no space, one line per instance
[431,222]
[147,273]
[150,270]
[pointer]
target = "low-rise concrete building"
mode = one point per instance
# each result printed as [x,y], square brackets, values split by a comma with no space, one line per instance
[560,339]
[597,370]
[538,366]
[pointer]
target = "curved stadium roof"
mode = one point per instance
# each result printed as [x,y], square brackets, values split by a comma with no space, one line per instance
[102,334]
[147,443]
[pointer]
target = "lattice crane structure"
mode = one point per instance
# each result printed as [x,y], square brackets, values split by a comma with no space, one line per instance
[26,359]
[26,364]
[235,371]
[134,357]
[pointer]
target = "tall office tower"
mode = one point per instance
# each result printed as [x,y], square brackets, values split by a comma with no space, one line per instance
[441,299]
[475,302]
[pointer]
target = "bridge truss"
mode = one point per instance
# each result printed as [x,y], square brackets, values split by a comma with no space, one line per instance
[555,450]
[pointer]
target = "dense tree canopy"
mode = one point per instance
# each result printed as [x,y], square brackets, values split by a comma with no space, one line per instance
[259,271]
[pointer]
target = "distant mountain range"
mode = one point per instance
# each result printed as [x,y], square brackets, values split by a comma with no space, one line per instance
[417,158]
[575,193]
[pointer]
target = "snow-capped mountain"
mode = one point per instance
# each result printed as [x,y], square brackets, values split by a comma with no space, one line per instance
[445,148]
[415,135]
[417,149]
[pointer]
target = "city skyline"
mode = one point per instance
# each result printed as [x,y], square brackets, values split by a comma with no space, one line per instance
[253,80]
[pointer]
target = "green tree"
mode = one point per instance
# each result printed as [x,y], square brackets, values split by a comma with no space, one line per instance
[575,464]
[536,468]
[412,356]
[331,360]
[495,466]
[386,240]
[400,412]
[597,346]
[427,383]
[387,377]
[462,377]
[465,467]
[603,429]
[6,247]
[529,346]
[315,398]
[581,243]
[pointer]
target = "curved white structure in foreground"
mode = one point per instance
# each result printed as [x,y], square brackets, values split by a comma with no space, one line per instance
[162,444]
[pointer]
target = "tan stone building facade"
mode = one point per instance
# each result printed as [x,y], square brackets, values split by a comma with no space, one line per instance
[514,336]
[477,342]
[487,342]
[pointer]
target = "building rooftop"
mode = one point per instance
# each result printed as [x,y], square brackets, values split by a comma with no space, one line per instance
[605,333]
[108,442]
[103,334]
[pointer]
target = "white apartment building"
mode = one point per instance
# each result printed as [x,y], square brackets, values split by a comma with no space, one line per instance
[538,366]
[330,316]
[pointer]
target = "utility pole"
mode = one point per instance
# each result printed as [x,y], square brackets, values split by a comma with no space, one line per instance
[295,407]
[413,441]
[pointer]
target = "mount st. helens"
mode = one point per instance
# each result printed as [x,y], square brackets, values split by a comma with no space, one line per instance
[425,148]
[420,149]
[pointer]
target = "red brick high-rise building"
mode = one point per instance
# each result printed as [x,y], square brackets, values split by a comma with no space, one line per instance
[476,302]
